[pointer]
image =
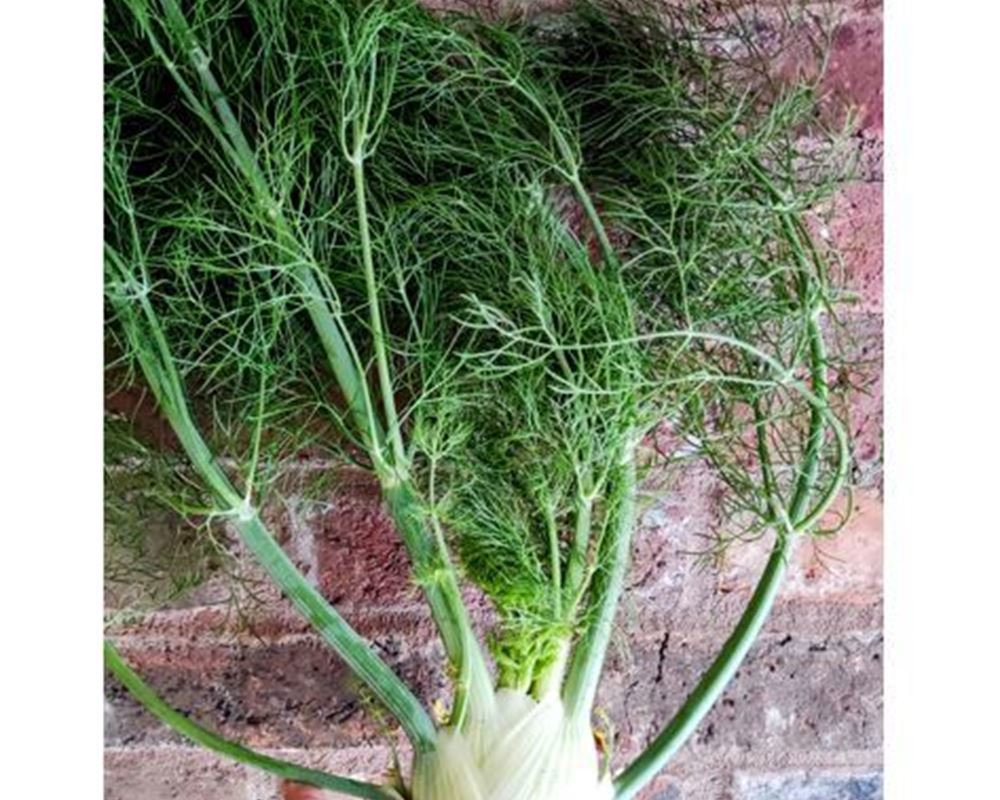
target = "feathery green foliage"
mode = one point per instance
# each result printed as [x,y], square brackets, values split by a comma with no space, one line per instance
[492,257]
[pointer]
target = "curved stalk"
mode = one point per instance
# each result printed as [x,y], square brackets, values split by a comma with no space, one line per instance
[186,727]
[440,585]
[714,681]
[158,366]
[736,647]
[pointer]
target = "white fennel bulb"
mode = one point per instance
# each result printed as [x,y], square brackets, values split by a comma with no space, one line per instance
[524,750]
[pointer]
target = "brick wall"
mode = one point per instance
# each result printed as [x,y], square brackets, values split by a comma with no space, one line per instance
[802,720]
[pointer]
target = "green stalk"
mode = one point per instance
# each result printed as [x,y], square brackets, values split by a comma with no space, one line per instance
[473,688]
[436,574]
[146,695]
[158,366]
[351,646]
[340,351]
[588,656]
[578,553]
[713,683]
[432,562]
[375,313]
[587,660]
[590,210]
[555,560]
[448,611]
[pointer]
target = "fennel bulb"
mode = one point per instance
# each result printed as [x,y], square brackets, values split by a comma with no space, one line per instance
[526,749]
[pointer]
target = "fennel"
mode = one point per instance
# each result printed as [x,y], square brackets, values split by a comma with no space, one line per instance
[304,195]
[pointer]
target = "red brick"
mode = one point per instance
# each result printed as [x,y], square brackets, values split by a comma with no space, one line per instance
[802,696]
[288,694]
[362,563]
[208,622]
[855,230]
[362,560]
[851,84]
[859,343]
[671,533]
[703,786]
[138,406]
[845,567]
[853,80]
[265,623]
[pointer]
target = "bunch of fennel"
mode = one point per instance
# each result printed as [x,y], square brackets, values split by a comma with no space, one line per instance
[486,260]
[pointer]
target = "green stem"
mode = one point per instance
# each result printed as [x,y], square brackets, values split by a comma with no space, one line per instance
[736,647]
[375,313]
[146,695]
[448,611]
[225,127]
[578,552]
[158,366]
[596,223]
[766,465]
[343,359]
[436,574]
[555,559]
[446,605]
[713,682]
[351,646]
[588,656]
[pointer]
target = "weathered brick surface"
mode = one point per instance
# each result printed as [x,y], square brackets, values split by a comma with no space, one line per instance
[686,787]
[856,232]
[361,559]
[171,773]
[841,568]
[854,77]
[850,68]
[365,762]
[795,696]
[292,693]
[860,343]
[806,786]
[846,566]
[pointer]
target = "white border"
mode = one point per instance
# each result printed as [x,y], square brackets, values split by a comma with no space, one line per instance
[943,536]
[942,392]
[50,329]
